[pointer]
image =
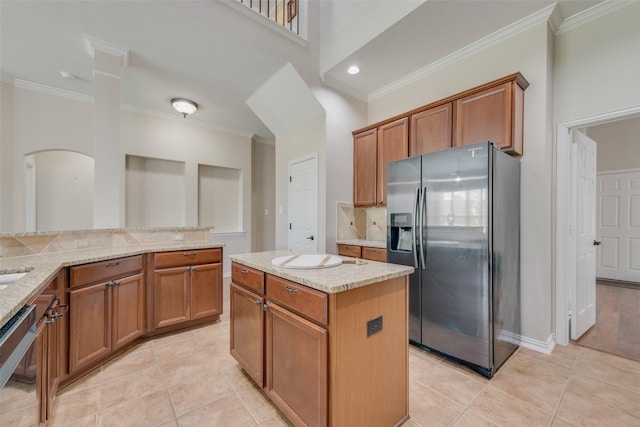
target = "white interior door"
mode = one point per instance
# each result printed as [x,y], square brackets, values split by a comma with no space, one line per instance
[618,225]
[585,213]
[303,204]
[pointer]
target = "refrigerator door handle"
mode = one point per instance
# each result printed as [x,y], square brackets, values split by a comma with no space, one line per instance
[422,214]
[416,198]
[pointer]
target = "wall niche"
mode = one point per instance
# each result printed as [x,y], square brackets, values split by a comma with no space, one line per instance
[220,198]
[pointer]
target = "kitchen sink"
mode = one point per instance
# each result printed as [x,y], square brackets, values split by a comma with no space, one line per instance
[8,278]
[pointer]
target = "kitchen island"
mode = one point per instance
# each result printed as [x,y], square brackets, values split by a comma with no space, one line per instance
[329,346]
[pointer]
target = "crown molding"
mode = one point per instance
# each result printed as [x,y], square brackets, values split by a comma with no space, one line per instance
[591,14]
[63,93]
[342,87]
[505,33]
[94,44]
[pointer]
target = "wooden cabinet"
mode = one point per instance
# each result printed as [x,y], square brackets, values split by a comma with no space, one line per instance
[494,114]
[431,130]
[365,150]
[372,152]
[106,315]
[374,254]
[280,339]
[366,252]
[247,331]
[314,354]
[296,366]
[187,285]
[393,144]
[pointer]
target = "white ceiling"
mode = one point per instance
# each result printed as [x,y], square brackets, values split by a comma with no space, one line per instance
[219,56]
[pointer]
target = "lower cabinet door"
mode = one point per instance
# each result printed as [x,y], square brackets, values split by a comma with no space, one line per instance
[206,290]
[247,331]
[296,366]
[171,294]
[89,325]
[128,310]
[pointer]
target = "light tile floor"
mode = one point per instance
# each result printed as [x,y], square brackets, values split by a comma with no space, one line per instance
[189,379]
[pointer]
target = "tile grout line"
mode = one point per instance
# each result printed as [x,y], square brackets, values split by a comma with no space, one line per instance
[165,384]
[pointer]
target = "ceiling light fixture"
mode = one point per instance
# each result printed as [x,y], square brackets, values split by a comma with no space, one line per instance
[354,69]
[184,106]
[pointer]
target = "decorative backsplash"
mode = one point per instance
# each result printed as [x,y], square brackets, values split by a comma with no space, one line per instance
[361,223]
[64,241]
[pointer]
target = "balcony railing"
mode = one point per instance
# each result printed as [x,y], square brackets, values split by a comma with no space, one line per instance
[282,12]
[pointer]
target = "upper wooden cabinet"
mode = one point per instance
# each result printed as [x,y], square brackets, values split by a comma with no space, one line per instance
[431,130]
[393,144]
[494,114]
[365,151]
[372,151]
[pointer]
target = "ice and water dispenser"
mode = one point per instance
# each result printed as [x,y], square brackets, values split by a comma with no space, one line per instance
[401,228]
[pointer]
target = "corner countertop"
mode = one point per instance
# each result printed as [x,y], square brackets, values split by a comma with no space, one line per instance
[330,280]
[381,244]
[43,268]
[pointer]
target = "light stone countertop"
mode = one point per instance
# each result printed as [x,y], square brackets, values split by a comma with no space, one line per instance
[42,268]
[381,244]
[329,280]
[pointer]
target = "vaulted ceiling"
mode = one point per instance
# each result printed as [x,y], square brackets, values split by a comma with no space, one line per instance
[219,55]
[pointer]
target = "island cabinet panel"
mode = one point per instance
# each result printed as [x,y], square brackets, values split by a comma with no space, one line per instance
[248,277]
[247,331]
[369,373]
[365,151]
[296,366]
[301,299]
[431,130]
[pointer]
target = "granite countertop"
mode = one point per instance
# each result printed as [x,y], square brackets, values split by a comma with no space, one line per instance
[329,280]
[42,268]
[361,242]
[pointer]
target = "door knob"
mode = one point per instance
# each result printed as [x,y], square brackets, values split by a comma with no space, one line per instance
[310,237]
[596,243]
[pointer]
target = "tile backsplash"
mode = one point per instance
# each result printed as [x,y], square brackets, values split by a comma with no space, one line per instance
[361,223]
[46,243]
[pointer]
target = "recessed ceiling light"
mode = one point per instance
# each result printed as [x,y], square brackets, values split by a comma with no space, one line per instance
[354,69]
[67,75]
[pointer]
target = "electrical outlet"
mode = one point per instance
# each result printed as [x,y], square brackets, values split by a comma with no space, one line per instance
[374,325]
[178,237]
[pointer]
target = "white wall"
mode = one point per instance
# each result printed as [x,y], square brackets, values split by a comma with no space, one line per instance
[344,114]
[263,197]
[526,52]
[293,144]
[64,190]
[618,144]
[220,198]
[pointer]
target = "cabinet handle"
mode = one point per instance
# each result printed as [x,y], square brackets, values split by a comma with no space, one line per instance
[111,283]
[187,269]
[118,283]
[193,268]
[190,254]
[66,309]
[373,202]
[258,301]
[244,271]
[113,264]
[290,290]
[265,307]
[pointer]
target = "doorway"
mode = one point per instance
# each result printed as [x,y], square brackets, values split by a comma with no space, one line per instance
[565,251]
[303,204]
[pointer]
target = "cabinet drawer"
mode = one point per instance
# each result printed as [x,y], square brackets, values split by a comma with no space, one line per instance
[374,254]
[180,258]
[104,270]
[349,250]
[307,302]
[248,277]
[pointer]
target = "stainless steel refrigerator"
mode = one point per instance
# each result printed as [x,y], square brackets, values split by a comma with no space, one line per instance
[455,216]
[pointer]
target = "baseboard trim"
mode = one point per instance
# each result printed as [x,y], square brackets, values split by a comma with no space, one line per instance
[545,347]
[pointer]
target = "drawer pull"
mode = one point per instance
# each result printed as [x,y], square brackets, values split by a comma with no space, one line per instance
[258,302]
[190,254]
[244,271]
[113,264]
[290,290]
